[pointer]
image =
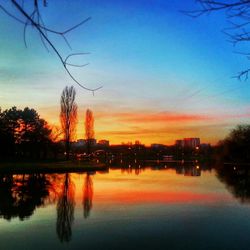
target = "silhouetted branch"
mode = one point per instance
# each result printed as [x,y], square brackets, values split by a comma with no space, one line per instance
[238,15]
[243,75]
[75,65]
[35,20]
[11,15]
[208,6]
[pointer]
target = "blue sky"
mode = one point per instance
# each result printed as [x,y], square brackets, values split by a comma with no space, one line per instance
[150,59]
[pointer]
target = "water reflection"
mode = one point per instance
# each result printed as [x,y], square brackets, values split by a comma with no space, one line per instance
[22,194]
[189,170]
[87,195]
[65,210]
[186,170]
[237,180]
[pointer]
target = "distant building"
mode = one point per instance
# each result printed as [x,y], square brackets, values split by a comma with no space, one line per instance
[129,143]
[157,146]
[81,142]
[103,143]
[179,143]
[205,146]
[188,142]
[192,142]
[138,142]
[92,141]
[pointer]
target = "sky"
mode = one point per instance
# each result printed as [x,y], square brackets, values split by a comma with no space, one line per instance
[165,75]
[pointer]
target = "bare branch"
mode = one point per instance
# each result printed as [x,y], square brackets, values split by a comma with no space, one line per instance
[243,75]
[11,15]
[238,15]
[34,19]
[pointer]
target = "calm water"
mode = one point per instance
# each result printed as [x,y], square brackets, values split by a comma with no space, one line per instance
[170,208]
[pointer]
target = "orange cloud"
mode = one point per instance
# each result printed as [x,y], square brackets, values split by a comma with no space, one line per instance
[142,117]
[161,117]
[153,127]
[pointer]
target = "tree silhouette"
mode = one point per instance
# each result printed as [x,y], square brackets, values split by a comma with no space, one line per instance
[65,210]
[55,137]
[89,129]
[238,14]
[30,15]
[34,132]
[22,194]
[23,132]
[236,146]
[8,126]
[87,196]
[68,116]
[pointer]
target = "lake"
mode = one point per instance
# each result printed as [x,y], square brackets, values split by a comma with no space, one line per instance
[184,207]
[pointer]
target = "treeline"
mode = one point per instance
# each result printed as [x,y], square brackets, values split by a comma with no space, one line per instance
[236,146]
[23,134]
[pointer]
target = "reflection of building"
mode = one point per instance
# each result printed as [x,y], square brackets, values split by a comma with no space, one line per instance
[193,171]
[188,170]
[188,142]
[180,170]
[168,157]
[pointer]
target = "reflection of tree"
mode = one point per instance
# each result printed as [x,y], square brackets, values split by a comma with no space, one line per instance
[192,171]
[237,180]
[7,204]
[87,196]
[65,210]
[22,194]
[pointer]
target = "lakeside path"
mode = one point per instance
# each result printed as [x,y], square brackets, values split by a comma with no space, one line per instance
[50,167]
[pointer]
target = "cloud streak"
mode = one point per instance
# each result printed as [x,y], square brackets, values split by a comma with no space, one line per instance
[161,117]
[151,127]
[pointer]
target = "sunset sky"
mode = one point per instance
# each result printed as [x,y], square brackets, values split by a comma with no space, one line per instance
[165,75]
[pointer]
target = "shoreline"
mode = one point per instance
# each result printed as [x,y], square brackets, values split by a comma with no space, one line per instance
[50,167]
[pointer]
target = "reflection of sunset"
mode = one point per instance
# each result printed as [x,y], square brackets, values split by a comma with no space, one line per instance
[116,188]
[150,187]
[74,205]
[119,196]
